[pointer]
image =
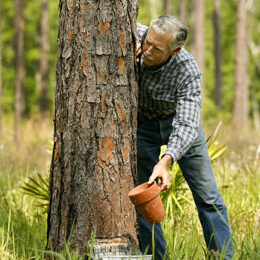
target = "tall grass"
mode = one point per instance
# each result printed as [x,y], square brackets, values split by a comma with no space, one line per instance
[23,226]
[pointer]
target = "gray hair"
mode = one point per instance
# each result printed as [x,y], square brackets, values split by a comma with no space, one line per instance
[170,24]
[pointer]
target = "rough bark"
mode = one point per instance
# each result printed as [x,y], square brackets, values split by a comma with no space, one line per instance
[44,57]
[218,53]
[20,73]
[94,155]
[182,9]
[197,32]
[167,7]
[240,109]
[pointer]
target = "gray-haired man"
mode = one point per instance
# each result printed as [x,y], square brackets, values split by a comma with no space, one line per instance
[169,113]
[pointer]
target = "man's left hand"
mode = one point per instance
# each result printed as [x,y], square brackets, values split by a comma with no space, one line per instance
[160,171]
[138,51]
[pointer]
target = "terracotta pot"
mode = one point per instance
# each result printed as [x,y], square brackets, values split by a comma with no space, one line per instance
[146,197]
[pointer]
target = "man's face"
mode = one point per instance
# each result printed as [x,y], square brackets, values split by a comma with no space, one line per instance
[156,48]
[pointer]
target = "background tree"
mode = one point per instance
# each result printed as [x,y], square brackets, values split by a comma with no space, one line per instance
[93,162]
[167,7]
[197,32]
[182,9]
[44,57]
[1,112]
[254,63]
[240,110]
[155,7]
[19,43]
[218,53]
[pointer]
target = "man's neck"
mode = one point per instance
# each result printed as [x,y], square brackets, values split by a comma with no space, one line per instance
[158,66]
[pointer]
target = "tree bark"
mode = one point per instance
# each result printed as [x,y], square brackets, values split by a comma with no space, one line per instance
[240,109]
[197,32]
[218,53]
[20,73]
[182,9]
[167,7]
[94,155]
[44,57]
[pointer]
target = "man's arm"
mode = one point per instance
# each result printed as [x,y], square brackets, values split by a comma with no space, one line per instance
[185,125]
[186,122]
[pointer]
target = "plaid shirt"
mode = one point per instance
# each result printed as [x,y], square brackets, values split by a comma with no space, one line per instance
[172,88]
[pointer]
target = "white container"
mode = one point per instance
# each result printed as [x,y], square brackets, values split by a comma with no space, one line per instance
[136,257]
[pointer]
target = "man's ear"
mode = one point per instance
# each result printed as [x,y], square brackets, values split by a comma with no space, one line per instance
[175,51]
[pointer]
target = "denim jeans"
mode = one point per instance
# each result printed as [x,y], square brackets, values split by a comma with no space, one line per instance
[196,168]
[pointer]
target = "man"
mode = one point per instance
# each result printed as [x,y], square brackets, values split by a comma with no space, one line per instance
[169,113]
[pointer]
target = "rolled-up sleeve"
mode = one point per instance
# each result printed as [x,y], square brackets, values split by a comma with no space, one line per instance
[187,119]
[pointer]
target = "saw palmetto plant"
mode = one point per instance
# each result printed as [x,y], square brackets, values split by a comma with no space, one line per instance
[38,188]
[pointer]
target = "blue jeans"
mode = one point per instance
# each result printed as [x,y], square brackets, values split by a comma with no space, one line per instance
[196,168]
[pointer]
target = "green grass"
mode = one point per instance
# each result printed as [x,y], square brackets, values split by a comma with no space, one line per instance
[23,226]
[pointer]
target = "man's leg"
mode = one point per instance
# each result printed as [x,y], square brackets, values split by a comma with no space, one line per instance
[196,169]
[148,151]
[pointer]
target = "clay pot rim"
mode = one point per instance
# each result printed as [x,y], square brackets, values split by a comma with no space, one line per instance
[144,193]
[135,191]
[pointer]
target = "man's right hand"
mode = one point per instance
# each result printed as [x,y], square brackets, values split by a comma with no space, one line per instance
[160,171]
[138,51]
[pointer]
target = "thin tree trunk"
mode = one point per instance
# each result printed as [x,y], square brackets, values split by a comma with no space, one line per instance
[167,7]
[197,32]
[1,88]
[218,53]
[255,51]
[94,155]
[182,9]
[255,108]
[240,110]
[44,58]
[19,92]
[154,8]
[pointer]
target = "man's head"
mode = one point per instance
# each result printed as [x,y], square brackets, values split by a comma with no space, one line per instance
[166,35]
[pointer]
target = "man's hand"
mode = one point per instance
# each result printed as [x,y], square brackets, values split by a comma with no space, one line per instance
[160,171]
[138,51]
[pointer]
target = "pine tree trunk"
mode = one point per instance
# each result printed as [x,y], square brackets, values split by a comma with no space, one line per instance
[240,110]
[182,9]
[94,155]
[167,7]
[218,53]
[44,58]
[197,32]
[20,73]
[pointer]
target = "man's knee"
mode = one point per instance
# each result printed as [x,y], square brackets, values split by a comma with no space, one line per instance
[212,202]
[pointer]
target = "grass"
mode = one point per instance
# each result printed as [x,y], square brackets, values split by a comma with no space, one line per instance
[23,226]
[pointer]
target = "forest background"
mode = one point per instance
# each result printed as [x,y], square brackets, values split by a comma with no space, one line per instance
[230,96]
